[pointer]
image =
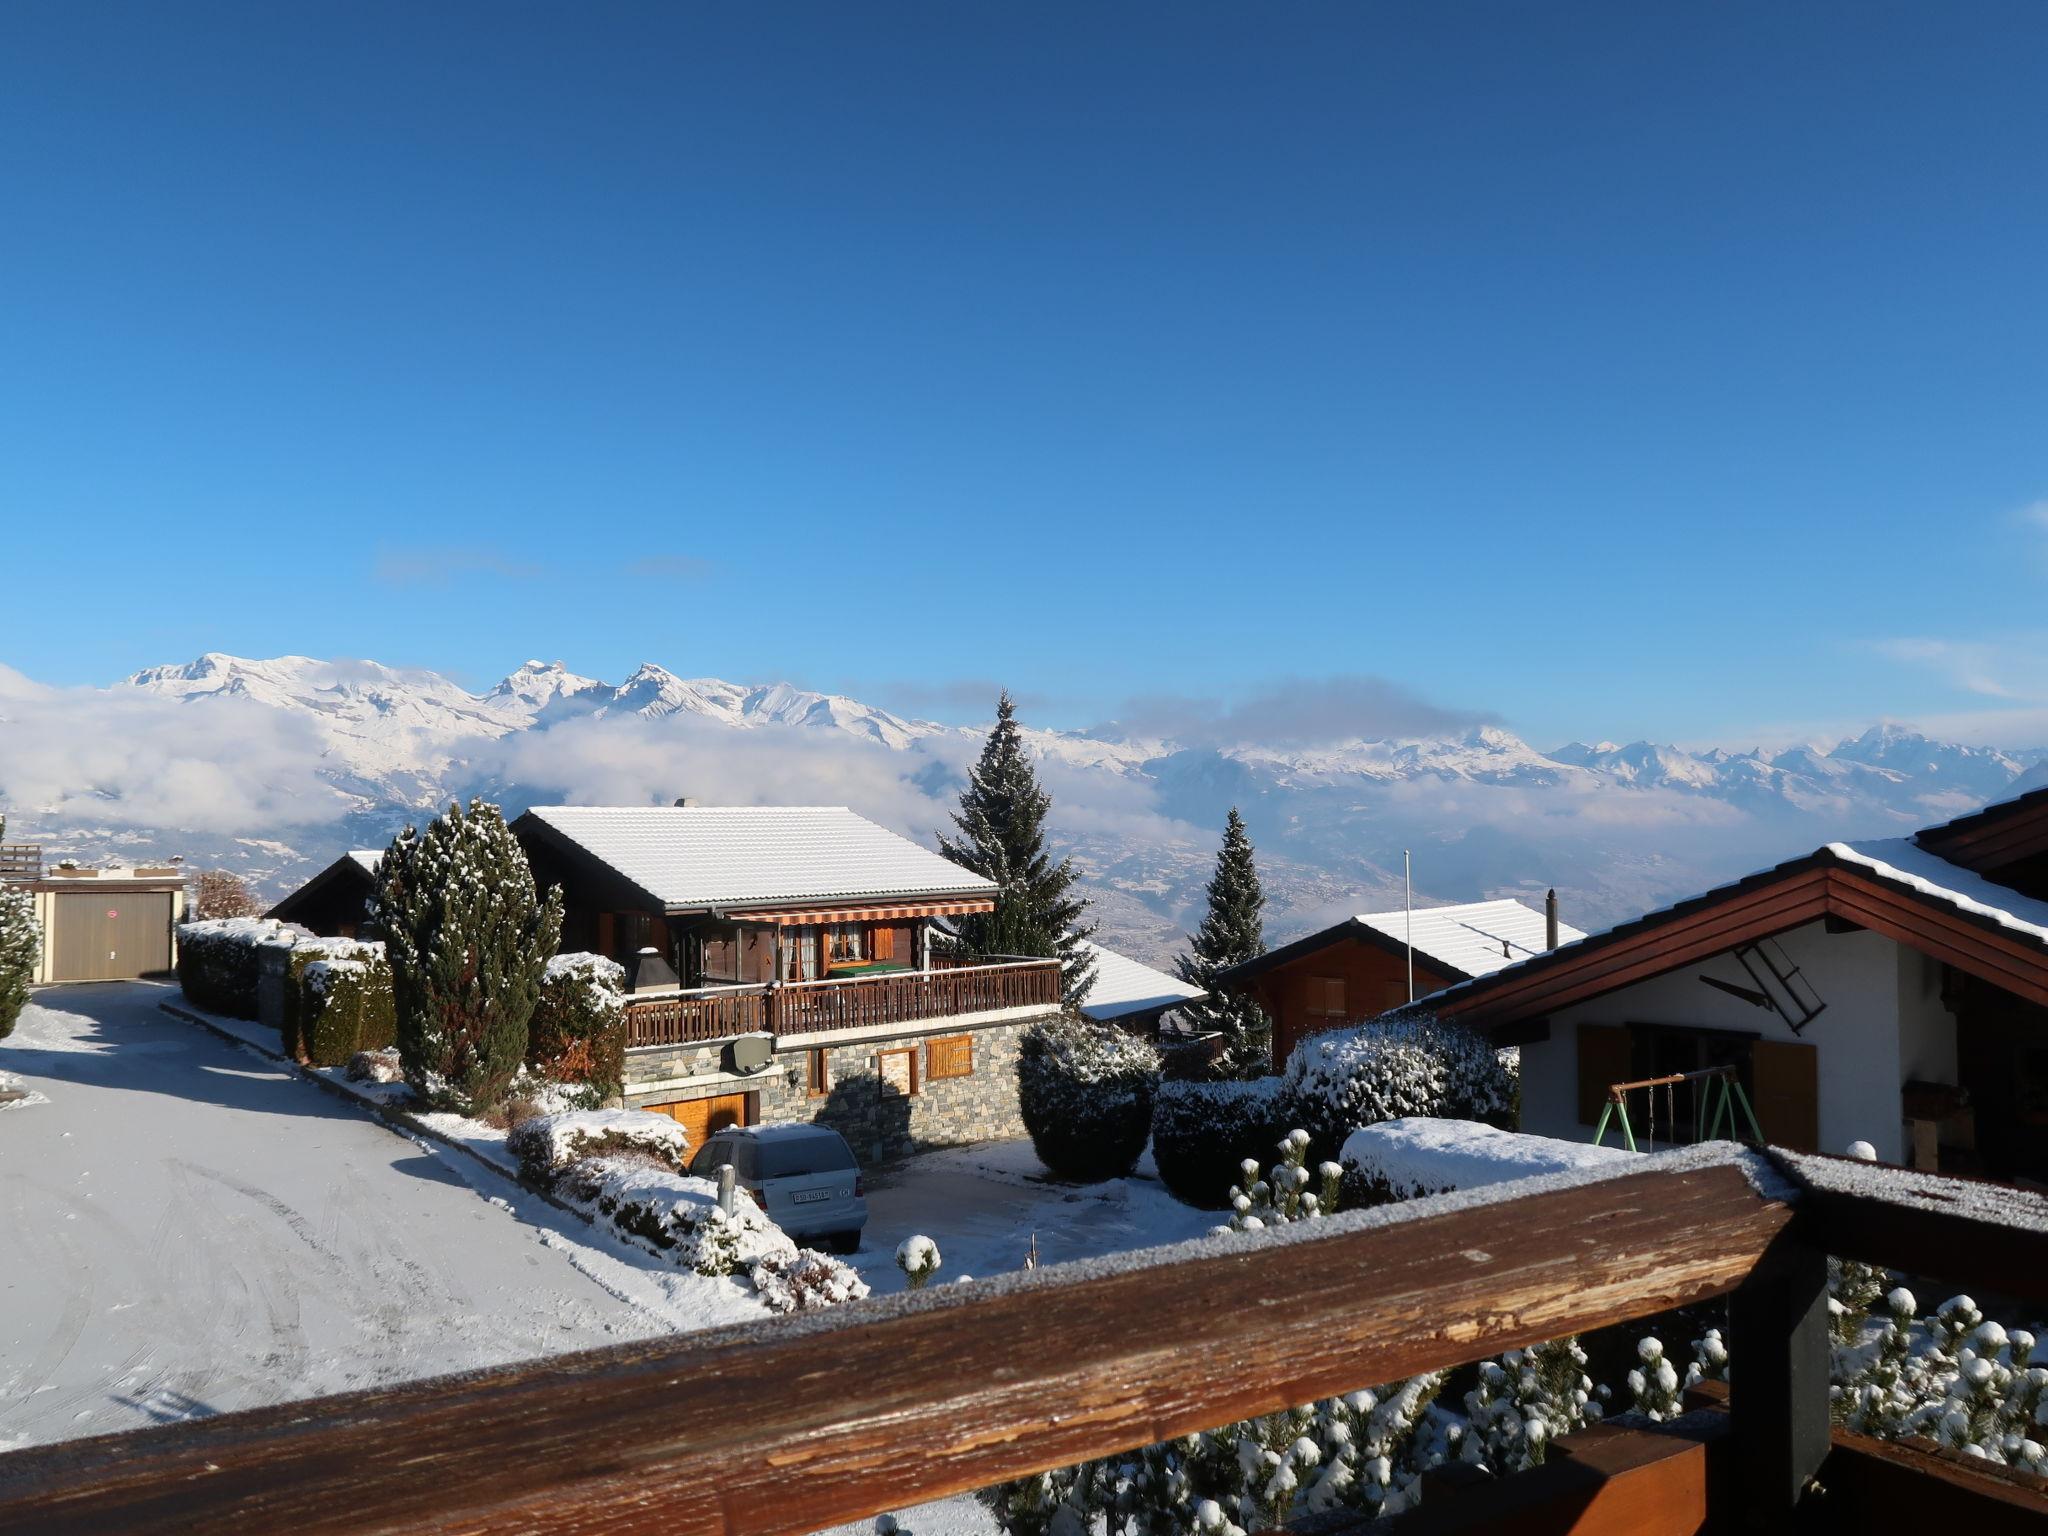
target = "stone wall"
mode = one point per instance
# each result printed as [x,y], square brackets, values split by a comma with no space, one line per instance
[878,1119]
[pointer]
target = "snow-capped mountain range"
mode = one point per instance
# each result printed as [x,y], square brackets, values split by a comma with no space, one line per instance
[1615,828]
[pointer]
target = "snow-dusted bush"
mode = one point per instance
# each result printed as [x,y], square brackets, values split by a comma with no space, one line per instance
[308,951]
[1339,1081]
[1525,1400]
[1654,1386]
[805,1281]
[577,1035]
[1202,1134]
[21,938]
[918,1258]
[547,1144]
[219,960]
[1420,1155]
[1283,1196]
[337,1001]
[1086,1095]
[671,1212]
[376,1066]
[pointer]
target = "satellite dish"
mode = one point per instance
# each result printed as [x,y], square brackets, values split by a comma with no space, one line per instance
[750,1053]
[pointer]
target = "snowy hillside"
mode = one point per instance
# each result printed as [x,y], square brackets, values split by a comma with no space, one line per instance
[274,766]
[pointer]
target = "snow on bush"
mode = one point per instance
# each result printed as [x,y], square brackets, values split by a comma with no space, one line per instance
[1283,1196]
[21,938]
[294,1027]
[1653,1386]
[547,1144]
[376,1066]
[219,960]
[1086,1095]
[1203,1133]
[1413,1065]
[1422,1155]
[918,1258]
[577,1035]
[1525,1400]
[806,1281]
[342,1006]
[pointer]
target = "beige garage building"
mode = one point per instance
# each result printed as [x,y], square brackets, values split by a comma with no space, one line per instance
[100,925]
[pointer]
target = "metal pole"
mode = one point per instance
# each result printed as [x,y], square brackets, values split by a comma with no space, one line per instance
[728,1177]
[1408,900]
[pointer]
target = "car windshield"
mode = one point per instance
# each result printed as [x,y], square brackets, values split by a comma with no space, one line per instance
[781,1158]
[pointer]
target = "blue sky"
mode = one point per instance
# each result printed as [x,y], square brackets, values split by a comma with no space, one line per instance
[1608,372]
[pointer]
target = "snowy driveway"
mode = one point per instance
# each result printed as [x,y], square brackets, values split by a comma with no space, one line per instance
[187,1228]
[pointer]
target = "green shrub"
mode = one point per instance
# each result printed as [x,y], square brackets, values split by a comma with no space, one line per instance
[295,1026]
[577,1035]
[1406,1066]
[1086,1094]
[20,938]
[344,1006]
[1202,1133]
[219,960]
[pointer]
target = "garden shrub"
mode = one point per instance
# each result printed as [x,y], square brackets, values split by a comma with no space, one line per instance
[218,960]
[806,1281]
[1203,1133]
[1086,1094]
[547,1144]
[20,938]
[577,1035]
[343,1008]
[1412,1065]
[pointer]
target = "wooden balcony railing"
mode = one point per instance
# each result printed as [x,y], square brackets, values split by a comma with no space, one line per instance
[773,1429]
[21,861]
[853,1002]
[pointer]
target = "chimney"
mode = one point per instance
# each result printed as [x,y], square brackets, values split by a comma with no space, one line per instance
[1550,919]
[684,802]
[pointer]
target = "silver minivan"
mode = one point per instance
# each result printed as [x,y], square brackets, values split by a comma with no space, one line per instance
[803,1176]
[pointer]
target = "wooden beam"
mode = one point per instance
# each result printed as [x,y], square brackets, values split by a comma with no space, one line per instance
[1874,1485]
[1780,1395]
[788,1427]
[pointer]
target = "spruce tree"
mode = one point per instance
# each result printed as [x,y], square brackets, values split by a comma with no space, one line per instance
[20,939]
[469,940]
[1231,933]
[1002,836]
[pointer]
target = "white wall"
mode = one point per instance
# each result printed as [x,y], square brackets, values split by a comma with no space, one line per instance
[1884,1023]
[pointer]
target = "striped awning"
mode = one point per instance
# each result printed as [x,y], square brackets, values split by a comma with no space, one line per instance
[871,914]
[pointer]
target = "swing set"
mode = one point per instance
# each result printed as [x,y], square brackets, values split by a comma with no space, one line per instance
[1717,1097]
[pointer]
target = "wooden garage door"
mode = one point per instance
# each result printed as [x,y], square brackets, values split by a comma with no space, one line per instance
[699,1118]
[109,935]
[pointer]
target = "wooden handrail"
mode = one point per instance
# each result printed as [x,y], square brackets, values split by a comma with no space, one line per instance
[779,1428]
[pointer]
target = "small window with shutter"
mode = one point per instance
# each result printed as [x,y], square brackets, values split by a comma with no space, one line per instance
[820,1073]
[950,1057]
[1326,997]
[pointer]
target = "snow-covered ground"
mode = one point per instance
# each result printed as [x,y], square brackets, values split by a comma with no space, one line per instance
[191,1228]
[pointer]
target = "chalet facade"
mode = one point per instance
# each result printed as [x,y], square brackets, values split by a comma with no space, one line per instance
[335,903]
[1358,969]
[783,966]
[1893,991]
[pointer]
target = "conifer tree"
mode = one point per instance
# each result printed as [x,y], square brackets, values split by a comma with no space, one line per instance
[1231,933]
[469,940]
[20,939]
[1002,836]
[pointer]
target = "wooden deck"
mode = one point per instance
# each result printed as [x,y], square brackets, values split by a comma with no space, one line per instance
[846,1003]
[888,1402]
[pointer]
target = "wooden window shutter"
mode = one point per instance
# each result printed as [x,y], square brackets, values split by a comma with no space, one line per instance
[606,935]
[882,942]
[951,1057]
[1785,1083]
[1606,1056]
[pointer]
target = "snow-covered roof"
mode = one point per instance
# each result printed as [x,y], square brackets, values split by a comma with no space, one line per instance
[1473,938]
[1123,986]
[697,856]
[367,858]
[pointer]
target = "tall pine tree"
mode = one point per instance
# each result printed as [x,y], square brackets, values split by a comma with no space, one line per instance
[1231,933]
[1001,821]
[469,939]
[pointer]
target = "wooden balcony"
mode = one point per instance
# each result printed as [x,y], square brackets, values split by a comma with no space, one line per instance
[848,1003]
[889,1402]
[21,861]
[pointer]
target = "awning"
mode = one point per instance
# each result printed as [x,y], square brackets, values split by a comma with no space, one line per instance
[871,914]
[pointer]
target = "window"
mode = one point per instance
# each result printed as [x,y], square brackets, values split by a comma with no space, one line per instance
[950,1057]
[820,1073]
[721,955]
[1394,994]
[1325,997]
[899,1072]
[844,943]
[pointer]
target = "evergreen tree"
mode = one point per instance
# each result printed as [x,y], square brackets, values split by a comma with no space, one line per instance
[469,940]
[1002,836]
[20,938]
[1231,933]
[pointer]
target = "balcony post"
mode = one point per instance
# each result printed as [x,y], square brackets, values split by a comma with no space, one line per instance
[1778,1335]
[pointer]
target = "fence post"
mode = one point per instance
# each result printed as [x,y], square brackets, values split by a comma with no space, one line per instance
[1778,1382]
[727,1179]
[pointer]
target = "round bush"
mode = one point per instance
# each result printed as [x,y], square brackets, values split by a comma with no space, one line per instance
[1086,1094]
[577,1035]
[1203,1131]
[1339,1081]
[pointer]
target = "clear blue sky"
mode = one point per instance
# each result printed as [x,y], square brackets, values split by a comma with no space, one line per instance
[1616,369]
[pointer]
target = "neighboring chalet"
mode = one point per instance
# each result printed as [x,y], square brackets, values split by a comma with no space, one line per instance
[335,902]
[1892,991]
[1358,969]
[782,966]
[98,924]
[1131,995]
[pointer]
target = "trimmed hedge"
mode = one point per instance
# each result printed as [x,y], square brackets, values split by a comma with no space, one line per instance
[1203,1131]
[577,1035]
[295,1028]
[343,1007]
[1086,1094]
[1406,1066]
[219,958]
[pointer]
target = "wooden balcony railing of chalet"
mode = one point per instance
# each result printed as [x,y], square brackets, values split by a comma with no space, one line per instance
[784,1427]
[21,861]
[851,1002]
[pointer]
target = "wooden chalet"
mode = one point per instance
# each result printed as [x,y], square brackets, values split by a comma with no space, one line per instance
[335,902]
[1357,969]
[1893,991]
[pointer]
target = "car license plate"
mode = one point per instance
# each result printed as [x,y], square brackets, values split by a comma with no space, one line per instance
[806,1196]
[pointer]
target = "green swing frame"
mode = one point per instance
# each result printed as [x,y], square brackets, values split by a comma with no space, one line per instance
[1724,1097]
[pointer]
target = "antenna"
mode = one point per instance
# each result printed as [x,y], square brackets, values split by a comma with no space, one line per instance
[1408,906]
